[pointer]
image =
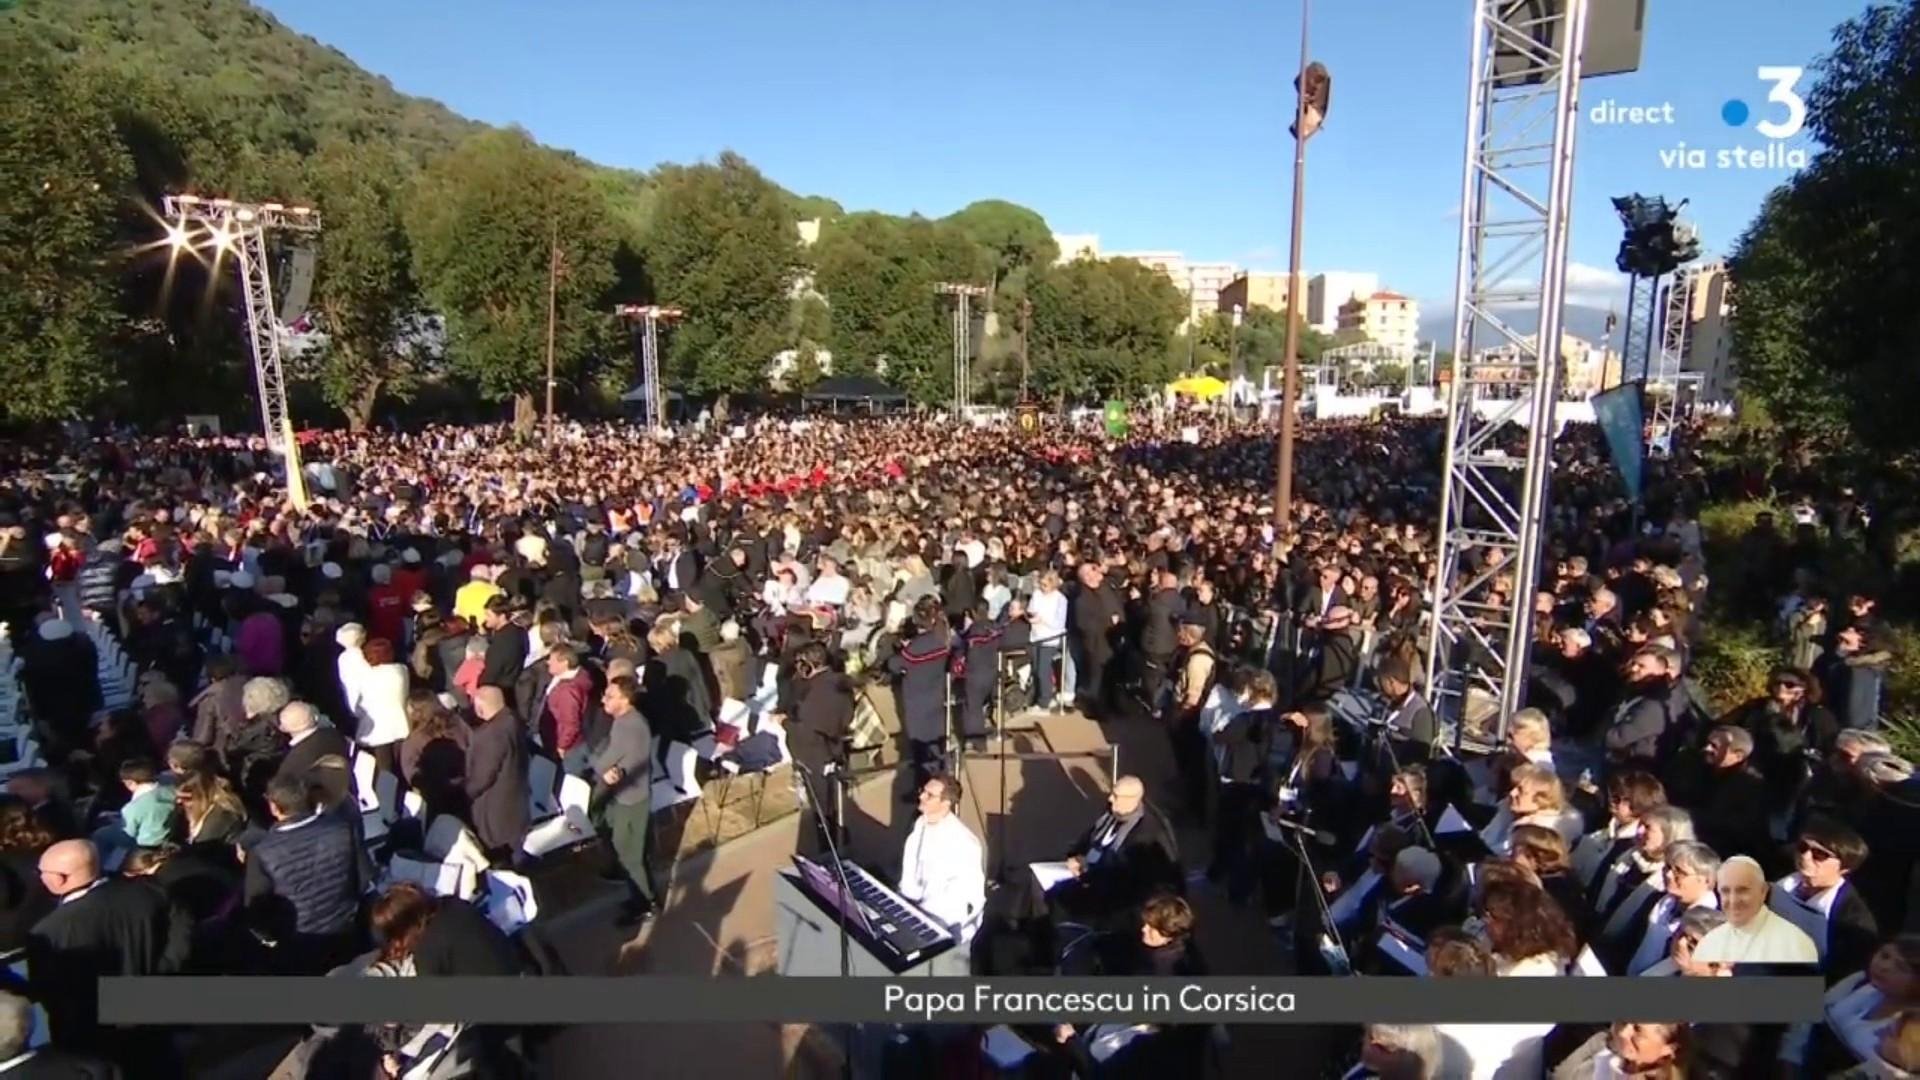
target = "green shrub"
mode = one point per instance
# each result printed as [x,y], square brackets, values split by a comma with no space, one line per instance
[1732,661]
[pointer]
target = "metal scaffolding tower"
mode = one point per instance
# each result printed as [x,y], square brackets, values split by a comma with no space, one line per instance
[963,295]
[646,320]
[1663,382]
[240,229]
[1637,344]
[1522,116]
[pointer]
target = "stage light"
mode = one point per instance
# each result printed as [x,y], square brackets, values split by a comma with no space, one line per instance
[222,237]
[244,214]
[177,237]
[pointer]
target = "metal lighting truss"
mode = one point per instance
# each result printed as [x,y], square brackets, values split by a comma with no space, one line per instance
[650,316]
[241,228]
[1635,348]
[1663,382]
[963,295]
[1522,114]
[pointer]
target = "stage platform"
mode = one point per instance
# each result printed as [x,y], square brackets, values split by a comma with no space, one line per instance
[719,921]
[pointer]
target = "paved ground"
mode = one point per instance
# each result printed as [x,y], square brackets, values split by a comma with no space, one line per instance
[719,914]
[718,917]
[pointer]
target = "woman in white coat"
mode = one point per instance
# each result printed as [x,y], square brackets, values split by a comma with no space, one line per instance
[383,704]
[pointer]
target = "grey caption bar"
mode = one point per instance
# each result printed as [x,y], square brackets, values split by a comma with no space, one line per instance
[676,999]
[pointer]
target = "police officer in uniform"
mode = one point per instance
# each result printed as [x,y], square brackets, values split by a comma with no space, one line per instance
[922,667]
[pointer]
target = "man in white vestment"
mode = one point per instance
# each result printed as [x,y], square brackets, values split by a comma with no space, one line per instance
[944,866]
[1753,933]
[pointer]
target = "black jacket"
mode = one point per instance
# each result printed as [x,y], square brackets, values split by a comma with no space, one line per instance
[1157,633]
[1146,861]
[506,657]
[120,927]
[496,782]
[1731,814]
[822,717]
[304,879]
[1245,744]
[459,940]
[51,1064]
[303,760]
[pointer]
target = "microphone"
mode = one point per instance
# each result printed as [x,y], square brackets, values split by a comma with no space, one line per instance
[1319,836]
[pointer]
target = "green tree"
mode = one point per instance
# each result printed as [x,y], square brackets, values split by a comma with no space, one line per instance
[365,292]
[879,274]
[1826,275]
[724,248]
[1015,237]
[483,224]
[1103,329]
[64,175]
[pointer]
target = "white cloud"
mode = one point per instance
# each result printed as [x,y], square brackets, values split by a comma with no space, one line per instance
[1595,286]
[1590,287]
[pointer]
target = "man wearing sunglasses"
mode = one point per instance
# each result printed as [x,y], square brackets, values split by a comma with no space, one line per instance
[1818,899]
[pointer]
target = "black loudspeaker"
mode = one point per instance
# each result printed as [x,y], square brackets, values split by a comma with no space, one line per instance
[296,292]
[1615,32]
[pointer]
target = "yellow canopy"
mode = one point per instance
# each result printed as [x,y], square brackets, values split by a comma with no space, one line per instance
[1199,386]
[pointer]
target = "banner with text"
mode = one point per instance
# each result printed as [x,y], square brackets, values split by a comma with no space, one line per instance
[676,999]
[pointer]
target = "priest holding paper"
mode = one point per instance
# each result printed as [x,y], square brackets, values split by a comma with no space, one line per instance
[1128,855]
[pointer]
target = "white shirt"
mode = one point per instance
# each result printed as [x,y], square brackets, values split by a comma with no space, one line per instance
[1047,611]
[976,553]
[353,668]
[383,706]
[944,871]
[1769,939]
[829,589]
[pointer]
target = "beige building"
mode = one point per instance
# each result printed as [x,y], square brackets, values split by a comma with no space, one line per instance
[1585,368]
[1200,281]
[1709,348]
[1388,318]
[1328,292]
[1251,290]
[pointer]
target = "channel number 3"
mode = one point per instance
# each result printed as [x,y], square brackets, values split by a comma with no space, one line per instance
[1784,79]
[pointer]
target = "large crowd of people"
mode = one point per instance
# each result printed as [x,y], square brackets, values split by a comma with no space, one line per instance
[237,720]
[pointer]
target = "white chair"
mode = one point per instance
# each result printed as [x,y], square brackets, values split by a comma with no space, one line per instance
[509,900]
[567,827]
[444,878]
[449,840]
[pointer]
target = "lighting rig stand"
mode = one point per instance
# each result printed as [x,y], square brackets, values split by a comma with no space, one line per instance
[241,228]
[646,319]
[963,295]
[1516,189]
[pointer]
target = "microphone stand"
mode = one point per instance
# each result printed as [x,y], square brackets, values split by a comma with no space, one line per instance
[1311,881]
[839,871]
[1382,730]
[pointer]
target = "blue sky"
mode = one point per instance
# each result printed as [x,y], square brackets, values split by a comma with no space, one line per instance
[1154,124]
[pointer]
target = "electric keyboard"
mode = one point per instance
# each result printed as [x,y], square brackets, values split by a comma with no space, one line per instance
[881,924]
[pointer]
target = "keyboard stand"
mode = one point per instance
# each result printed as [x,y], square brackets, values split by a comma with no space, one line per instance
[809,940]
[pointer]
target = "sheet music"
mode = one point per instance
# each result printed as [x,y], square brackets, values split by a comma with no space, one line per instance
[1346,907]
[1049,874]
[1451,823]
[1402,953]
[1588,964]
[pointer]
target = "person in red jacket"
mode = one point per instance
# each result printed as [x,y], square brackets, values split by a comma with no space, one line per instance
[563,715]
[387,606]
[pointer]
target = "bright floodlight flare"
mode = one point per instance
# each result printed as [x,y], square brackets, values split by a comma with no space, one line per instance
[222,237]
[177,237]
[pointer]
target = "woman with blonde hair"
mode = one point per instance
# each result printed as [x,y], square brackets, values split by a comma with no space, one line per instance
[1535,798]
